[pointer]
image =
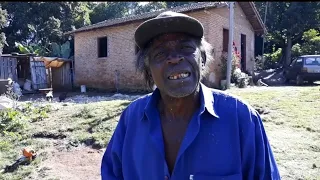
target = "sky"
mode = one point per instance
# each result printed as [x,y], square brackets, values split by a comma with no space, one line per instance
[143,3]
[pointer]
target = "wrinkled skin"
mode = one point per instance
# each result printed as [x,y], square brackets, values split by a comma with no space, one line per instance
[170,55]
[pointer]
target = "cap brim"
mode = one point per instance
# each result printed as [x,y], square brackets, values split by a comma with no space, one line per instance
[155,27]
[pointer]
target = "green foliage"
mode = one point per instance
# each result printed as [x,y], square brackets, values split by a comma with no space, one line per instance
[63,51]
[258,63]
[173,4]
[150,7]
[272,59]
[36,113]
[311,42]
[43,22]
[11,121]
[32,49]
[296,50]
[3,22]
[288,20]
[14,120]
[275,56]
[110,10]
[22,49]
[55,49]
[223,65]
[85,113]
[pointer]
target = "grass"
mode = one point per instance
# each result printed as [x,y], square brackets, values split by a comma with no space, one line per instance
[292,126]
[290,114]
[91,124]
[15,135]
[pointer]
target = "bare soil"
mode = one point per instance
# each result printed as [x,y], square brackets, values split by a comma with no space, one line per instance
[81,163]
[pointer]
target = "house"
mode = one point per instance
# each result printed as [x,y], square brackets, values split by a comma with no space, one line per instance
[41,72]
[105,52]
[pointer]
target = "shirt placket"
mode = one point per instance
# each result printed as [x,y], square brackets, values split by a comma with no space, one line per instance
[192,132]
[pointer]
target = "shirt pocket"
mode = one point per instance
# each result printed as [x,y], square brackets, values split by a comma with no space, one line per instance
[215,177]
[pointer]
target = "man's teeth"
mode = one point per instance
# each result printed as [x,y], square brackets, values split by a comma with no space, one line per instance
[179,76]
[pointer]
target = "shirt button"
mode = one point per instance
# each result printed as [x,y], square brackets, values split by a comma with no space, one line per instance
[166,178]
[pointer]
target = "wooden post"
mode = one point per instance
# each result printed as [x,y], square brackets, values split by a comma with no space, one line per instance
[229,62]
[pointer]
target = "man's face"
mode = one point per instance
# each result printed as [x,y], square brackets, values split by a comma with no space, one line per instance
[174,61]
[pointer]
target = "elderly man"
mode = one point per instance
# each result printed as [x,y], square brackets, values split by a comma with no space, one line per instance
[184,130]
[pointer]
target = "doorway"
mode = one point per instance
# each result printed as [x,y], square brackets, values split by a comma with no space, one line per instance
[243,52]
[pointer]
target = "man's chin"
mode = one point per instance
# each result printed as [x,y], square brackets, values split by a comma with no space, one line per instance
[181,92]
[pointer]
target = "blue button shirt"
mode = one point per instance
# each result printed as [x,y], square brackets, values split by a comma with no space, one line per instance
[225,140]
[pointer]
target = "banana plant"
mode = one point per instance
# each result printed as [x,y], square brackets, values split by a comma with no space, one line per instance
[62,51]
[32,49]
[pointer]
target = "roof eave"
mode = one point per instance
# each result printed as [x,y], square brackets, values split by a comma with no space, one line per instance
[88,28]
[263,29]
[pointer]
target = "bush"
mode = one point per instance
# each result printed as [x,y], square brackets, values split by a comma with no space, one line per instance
[223,65]
[85,113]
[11,121]
[14,120]
[296,50]
[258,63]
[311,43]
[271,60]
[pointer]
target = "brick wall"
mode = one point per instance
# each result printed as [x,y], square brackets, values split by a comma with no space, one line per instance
[102,72]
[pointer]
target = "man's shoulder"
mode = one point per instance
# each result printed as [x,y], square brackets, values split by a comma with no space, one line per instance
[230,99]
[224,96]
[138,105]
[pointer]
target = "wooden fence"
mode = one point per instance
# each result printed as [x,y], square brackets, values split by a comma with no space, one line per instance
[8,68]
[20,68]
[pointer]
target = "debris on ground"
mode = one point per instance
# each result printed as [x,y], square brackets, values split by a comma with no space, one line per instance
[28,156]
[84,99]
[260,83]
[5,102]
[270,77]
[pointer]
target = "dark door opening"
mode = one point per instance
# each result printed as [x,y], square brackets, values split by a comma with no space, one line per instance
[225,40]
[243,53]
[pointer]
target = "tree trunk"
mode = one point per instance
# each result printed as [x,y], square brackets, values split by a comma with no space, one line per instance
[288,51]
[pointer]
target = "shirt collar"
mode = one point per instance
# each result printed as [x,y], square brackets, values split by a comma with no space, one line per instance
[207,96]
[206,100]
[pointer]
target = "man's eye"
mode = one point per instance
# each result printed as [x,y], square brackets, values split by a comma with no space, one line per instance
[159,54]
[186,47]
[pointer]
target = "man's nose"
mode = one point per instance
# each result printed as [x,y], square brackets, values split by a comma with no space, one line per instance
[174,58]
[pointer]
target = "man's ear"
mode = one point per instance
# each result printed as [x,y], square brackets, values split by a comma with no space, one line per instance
[203,65]
[203,60]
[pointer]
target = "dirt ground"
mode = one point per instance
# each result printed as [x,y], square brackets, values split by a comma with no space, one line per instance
[66,138]
[81,163]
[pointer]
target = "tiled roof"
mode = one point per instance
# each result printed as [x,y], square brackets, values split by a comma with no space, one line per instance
[184,8]
[254,18]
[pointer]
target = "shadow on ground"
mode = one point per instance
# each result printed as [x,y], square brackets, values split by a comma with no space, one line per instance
[275,77]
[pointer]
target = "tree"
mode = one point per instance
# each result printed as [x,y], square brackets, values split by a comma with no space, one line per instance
[286,22]
[311,43]
[150,7]
[175,4]
[40,23]
[110,10]
[3,23]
